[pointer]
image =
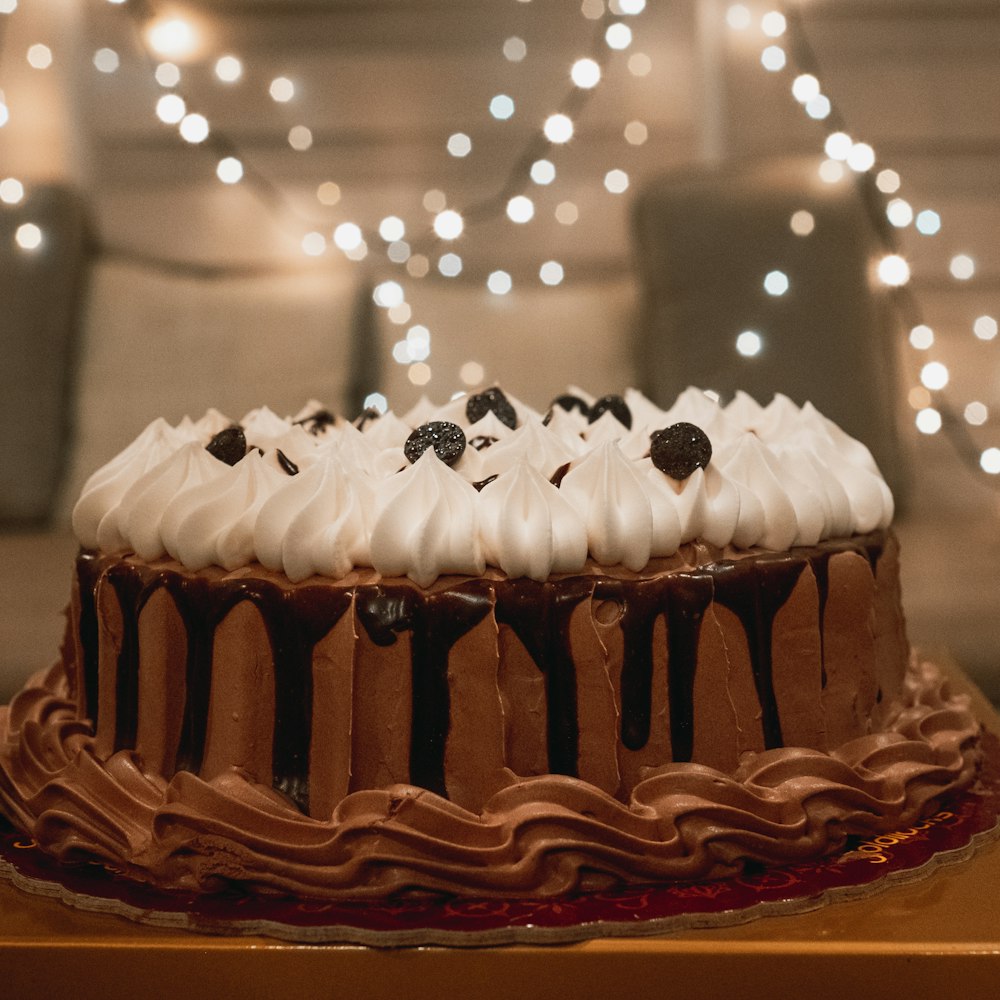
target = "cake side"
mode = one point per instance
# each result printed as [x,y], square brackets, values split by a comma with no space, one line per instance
[545,835]
[325,687]
[348,795]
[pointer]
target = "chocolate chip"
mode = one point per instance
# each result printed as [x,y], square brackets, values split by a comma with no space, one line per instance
[484,482]
[491,401]
[481,441]
[680,449]
[446,438]
[229,445]
[371,413]
[317,422]
[557,476]
[617,406]
[286,463]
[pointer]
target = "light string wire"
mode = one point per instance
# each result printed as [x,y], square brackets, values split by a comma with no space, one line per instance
[904,299]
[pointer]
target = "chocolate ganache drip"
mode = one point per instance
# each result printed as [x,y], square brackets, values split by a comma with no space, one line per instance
[296,618]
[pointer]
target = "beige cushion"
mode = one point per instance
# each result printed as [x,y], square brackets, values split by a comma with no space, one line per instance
[533,342]
[156,344]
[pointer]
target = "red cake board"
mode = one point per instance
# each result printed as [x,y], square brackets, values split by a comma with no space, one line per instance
[950,834]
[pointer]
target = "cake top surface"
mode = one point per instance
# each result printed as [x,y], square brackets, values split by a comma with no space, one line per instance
[483,480]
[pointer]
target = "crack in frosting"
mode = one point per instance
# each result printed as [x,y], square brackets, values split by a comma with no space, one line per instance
[539,836]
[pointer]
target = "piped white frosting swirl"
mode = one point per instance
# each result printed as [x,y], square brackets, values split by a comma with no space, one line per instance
[780,476]
[528,527]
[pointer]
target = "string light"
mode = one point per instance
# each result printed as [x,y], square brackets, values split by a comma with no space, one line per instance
[962,267]
[314,244]
[738,17]
[194,128]
[172,37]
[28,236]
[392,229]
[459,144]
[636,133]
[773,58]
[167,75]
[558,128]
[170,109]
[618,36]
[514,49]
[388,294]
[471,373]
[328,193]
[11,191]
[39,56]
[230,170]
[106,60]
[300,138]
[448,224]
[376,401]
[585,73]
[567,213]
[838,145]
[347,236]
[228,69]
[773,24]
[749,343]
[502,107]
[861,157]
[802,222]
[281,89]
[616,181]
[805,87]
[899,212]
[934,375]
[551,272]
[520,209]
[928,222]
[543,172]
[928,420]
[887,181]
[975,413]
[990,461]
[178,41]
[985,328]
[639,64]
[776,283]
[499,282]
[892,269]
[450,265]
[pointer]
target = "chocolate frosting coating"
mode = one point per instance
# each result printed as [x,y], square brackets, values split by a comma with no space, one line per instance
[539,836]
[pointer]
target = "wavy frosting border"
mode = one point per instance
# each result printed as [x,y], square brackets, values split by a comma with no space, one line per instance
[542,836]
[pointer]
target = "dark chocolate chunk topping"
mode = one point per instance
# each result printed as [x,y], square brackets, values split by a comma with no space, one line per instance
[229,445]
[570,403]
[371,413]
[617,406]
[680,449]
[485,482]
[286,463]
[481,441]
[491,400]
[557,476]
[316,422]
[446,438]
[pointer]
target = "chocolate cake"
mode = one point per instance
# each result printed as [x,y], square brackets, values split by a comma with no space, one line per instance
[483,651]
